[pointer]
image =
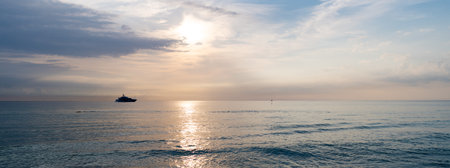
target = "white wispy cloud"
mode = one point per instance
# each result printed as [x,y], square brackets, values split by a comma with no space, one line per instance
[426,30]
[210,8]
[337,17]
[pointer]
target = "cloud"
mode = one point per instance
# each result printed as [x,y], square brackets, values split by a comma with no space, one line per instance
[53,27]
[403,33]
[426,30]
[28,79]
[22,78]
[210,8]
[338,18]
[251,52]
[412,74]
[419,79]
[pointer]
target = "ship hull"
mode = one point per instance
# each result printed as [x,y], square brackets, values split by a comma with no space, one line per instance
[132,100]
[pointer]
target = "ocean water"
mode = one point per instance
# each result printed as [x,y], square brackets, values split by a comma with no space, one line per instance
[225,134]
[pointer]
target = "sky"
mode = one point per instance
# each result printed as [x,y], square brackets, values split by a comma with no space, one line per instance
[225,49]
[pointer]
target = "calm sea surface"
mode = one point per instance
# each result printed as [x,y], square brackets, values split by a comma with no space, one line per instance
[225,134]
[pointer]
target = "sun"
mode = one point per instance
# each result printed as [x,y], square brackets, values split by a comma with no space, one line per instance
[193,30]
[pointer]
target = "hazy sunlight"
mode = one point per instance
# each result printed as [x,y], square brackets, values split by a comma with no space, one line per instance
[193,30]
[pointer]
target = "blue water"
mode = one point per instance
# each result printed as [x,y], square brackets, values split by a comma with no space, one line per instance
[225,134]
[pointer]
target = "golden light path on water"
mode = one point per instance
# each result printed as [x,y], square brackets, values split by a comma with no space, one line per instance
[191,137]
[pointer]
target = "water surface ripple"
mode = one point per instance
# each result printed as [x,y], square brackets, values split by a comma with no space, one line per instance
[225,134]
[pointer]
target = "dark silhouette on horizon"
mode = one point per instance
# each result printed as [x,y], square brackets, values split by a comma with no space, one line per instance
[125,99]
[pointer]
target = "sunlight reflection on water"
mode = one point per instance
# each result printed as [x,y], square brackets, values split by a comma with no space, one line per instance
[189,133]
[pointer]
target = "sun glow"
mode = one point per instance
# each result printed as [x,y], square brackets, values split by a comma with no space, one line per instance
[193,30]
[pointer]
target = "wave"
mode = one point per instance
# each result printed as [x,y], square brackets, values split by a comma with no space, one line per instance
[248,111]
[301,126]
[309,154]
[279,151]
[87,111]
[254,149]
[144,141]
[438,136]
[268,111]
[118,111]
[328,128]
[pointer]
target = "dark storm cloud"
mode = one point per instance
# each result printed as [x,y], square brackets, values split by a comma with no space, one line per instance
[53,27]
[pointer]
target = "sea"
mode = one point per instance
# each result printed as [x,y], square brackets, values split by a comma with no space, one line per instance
[225,134]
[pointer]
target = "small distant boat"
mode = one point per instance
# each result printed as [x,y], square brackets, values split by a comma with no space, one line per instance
[125,99]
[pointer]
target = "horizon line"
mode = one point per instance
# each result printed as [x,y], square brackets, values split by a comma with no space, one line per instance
[148,99]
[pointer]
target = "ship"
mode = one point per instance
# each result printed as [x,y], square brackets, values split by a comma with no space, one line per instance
[125,99]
